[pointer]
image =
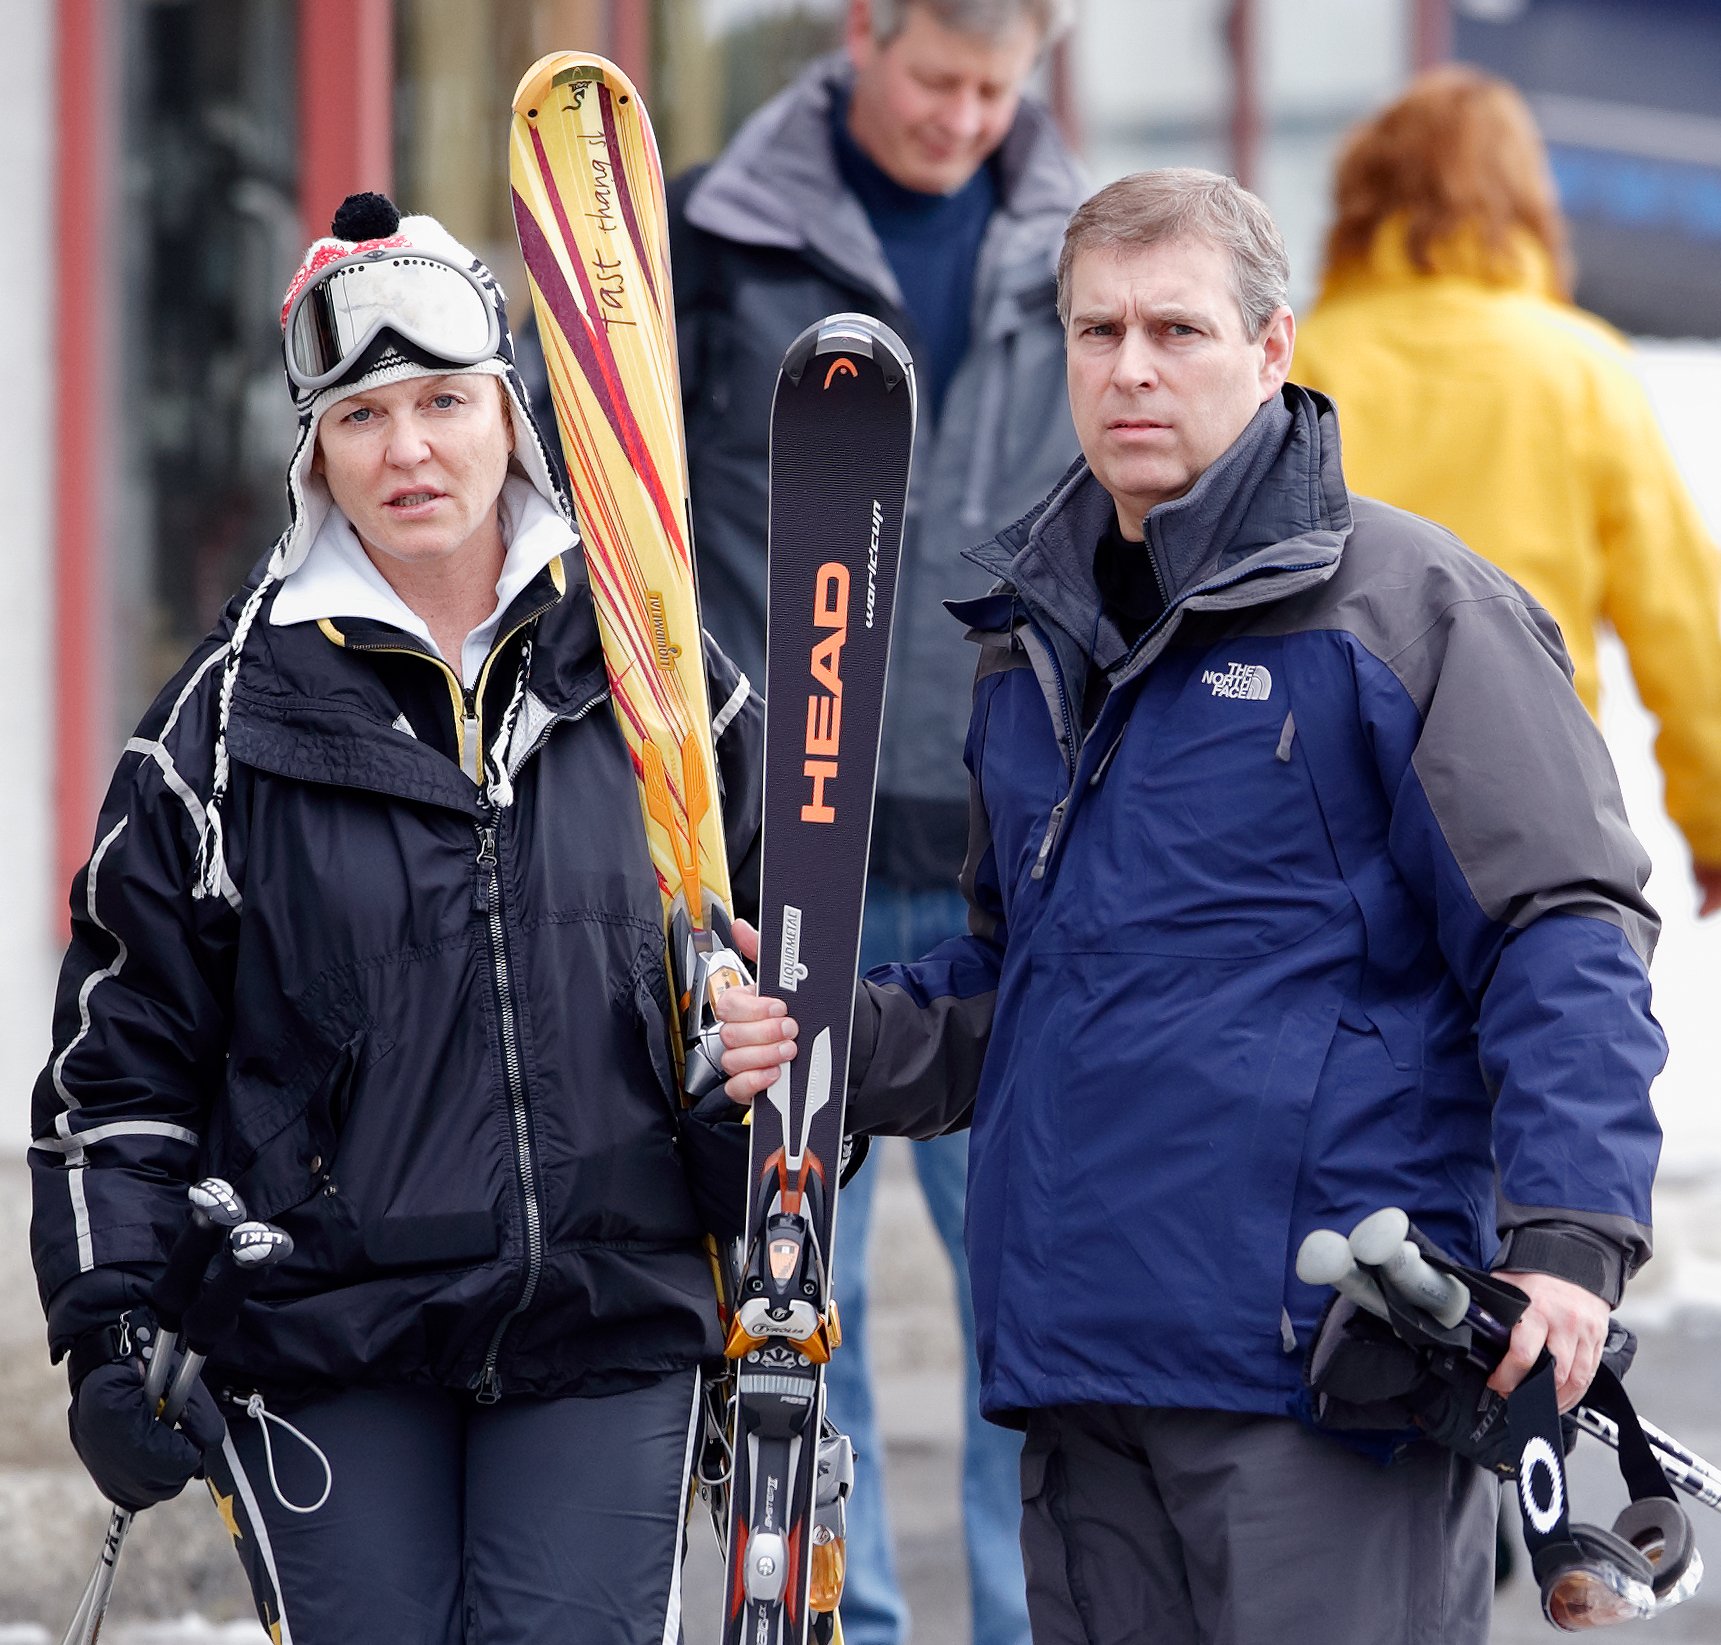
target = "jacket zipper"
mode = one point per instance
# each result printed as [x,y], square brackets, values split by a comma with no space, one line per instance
[471,739]
[1053,824]
[487,1384]
[1056,821]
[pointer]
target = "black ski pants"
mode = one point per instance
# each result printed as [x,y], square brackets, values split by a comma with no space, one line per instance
[1161,1527]
[527,1522]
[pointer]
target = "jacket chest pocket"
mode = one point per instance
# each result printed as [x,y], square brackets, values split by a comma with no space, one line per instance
[1208,830]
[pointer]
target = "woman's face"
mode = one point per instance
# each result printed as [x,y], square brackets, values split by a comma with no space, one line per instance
[417,466]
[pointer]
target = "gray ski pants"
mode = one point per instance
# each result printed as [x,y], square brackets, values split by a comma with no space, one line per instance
[1162,1527]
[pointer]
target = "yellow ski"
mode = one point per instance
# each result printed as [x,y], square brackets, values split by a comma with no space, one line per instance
[589,209]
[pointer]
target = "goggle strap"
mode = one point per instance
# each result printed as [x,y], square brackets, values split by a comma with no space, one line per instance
[1643,1475]
[1551,1558]
[1533,1426]
[1559,1548]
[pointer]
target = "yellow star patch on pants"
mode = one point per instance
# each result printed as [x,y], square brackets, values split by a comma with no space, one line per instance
[224,1507]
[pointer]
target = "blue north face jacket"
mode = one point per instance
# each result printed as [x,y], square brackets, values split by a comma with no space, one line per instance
[1332,906]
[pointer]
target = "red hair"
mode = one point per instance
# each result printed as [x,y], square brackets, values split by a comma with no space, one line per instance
[1458,155]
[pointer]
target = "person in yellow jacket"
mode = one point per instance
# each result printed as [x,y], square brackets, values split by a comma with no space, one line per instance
[1472,391]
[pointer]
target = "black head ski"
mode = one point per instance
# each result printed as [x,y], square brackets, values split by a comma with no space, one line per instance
[842,428]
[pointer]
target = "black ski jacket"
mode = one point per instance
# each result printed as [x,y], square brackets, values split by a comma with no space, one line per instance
[426,1036]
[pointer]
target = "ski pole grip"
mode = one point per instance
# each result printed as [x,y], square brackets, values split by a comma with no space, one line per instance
[1379,1242]
[1374,1240]
[251,1247]
[215,1209]
[1445,1296]
[1325,1258]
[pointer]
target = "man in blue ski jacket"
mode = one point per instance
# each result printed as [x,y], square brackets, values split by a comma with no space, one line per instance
[1299,885]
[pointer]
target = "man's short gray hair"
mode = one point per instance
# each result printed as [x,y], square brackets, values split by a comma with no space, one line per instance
[1184,203]
[984,19]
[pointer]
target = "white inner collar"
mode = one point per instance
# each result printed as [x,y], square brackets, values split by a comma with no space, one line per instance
[338,579]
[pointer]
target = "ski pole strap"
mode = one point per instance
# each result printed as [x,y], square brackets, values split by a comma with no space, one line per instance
[259,1413]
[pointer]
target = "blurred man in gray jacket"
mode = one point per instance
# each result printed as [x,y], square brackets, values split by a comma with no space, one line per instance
[907,178]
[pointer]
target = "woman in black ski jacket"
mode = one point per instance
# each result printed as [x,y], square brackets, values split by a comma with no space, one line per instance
[370,930]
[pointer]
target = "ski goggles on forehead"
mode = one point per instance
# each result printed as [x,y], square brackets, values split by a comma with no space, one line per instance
[434,304]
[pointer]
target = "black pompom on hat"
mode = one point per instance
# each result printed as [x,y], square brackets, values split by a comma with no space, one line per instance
[370,222]
[365,217]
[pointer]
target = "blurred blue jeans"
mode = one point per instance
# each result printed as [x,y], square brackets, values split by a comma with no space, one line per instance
[903,925]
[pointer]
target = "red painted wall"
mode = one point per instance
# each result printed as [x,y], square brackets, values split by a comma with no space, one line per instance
[346,105]
[84,320]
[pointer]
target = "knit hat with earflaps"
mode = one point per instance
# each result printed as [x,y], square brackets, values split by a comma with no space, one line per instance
[365,224]
[369,223]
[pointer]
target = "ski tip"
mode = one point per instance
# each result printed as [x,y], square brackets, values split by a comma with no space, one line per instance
[844,334]
[549,74]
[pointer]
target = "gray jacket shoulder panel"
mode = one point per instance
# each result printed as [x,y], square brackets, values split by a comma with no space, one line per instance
[776,185]
[1398,576]
[1514,769]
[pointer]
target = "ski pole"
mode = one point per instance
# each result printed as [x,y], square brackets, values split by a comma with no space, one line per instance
[1418,1285]
[1382,1242]
[1669,1447]
[215,1209]
[251,1247]
[1444,1296]
[1695,1477]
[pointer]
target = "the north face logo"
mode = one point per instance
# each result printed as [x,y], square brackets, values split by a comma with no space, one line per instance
[1251,681]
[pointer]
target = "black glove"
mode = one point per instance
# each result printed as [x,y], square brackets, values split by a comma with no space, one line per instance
[714,1147]
[134,1459]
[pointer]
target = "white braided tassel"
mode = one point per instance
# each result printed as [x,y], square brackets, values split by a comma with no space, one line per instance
[211,861]
[211,857]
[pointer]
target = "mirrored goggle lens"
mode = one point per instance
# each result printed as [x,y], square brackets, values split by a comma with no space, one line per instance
[433,305]
[1684,1588]
[1594,1596]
